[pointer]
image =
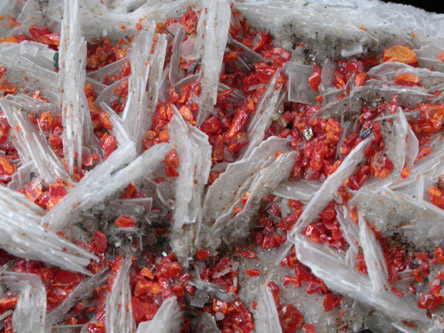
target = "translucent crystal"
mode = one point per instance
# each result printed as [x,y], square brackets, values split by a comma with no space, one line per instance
[261,119]
[22,234]
[195,161]
[194,154]
[374,259]
[232,225]
[29,61]
[299,89]
[213,34]
[80,293]
[99,20]
[30,311]
[167,319]
[330,186]
[118,171]
[300,190]
[331,268]
[110,69]
[208,323]
[140,105]
[175,73]
[32,145]
[77,125]
[220,216]
[222,191]
[118,309]
[267,319]
[355,26]
[31,105]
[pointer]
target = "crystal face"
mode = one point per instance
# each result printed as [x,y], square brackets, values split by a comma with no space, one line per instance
[221,166]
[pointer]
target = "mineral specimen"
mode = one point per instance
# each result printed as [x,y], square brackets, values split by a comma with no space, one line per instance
[221,166]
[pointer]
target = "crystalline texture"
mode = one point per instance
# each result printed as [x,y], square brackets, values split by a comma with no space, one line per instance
[30,311]
[140,105]
[330,186]
[86,191]
[9,9]
[395,139]
[332,28]
[213,33]
[267,319]
[118,309]
[39,54]
[261,119]
[22,234]
[194,154]
[32,62]
[300,190]
[418,220]
[351,234]
[222,191]
[208,323]
[32,146]
[117,172]
[22,177]
[388,71]
[233,226]
[331,268]
[256,175]
[110,69]
[81,292]
[299,89]
[206,217]
[175,74]
[77,125]
[195,161]
[168,319]
[374,259]
[107,95]
[118,130]
[99,20]
[31,105]
[157,60]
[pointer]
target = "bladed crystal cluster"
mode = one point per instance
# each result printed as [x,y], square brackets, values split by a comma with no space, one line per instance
[221,166]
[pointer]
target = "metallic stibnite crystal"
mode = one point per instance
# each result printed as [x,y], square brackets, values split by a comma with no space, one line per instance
[365,133]
[192,69]
[308,133]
